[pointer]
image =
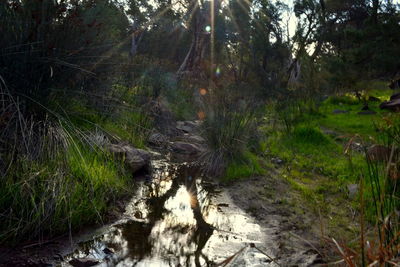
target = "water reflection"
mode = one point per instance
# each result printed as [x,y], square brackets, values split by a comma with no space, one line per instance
[170,222]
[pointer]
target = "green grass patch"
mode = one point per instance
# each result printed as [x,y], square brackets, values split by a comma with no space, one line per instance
[131,126]
[51,194]
[47,197]
[308,149]
[249,165]
[351,123]
[126,122]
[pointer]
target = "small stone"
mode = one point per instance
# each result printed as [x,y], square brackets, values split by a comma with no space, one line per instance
[393,104]
[277,161]
[395,96]
[353,190]
[157,139]
[339,111]
[58,257]
[188,126]
[329,132]
[366,112]
[135,158]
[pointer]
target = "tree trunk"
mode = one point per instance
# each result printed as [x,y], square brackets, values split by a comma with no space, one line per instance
[201,17]
[137,36]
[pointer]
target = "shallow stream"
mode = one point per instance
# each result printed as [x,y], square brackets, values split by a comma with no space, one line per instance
[177,218]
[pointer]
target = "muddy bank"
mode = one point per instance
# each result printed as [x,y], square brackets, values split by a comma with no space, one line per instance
[293,236]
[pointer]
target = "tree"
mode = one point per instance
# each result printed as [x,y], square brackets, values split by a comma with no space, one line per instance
[200,19]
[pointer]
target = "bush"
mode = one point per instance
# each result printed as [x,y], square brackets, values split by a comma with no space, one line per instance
[229,129]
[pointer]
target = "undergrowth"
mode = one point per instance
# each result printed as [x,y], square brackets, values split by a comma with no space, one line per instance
[320,166]
[49,195]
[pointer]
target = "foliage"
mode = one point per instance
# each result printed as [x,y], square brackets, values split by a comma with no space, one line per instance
[227,128]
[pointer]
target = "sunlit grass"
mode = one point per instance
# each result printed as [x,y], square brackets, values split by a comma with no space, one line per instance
[248,166]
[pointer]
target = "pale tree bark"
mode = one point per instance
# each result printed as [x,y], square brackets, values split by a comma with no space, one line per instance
[136,38]
[200,16]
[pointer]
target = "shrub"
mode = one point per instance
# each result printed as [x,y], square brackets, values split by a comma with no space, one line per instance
[228,129]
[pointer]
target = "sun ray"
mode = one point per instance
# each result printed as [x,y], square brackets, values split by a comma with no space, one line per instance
[212,41]
[112,50]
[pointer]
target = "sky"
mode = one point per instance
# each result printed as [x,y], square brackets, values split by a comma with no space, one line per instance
[293,20]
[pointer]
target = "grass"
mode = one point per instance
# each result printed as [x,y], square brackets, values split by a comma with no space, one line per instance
[69,181]
[42,198]
[248,166]
[351,122]
[122,118]
[131,126]
[317,169]
[308,149]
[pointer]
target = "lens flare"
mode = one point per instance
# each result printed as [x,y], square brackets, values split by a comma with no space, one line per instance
[203,91]
[218,71]
[201,115]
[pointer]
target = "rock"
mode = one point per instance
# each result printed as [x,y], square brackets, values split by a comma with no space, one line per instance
[188,126]
[353,190]
[277,161]
[373,99]
[365,107]
[185,148]
[339,111]
[356,147]
[117,149]
[135,158]
[98,138]
[158,139]
[193,139]
[366,112]
[395,96]
[329,132]
[393,105]
[83,262]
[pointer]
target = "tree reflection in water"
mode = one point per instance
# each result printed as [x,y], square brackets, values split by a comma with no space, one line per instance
[174,232]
